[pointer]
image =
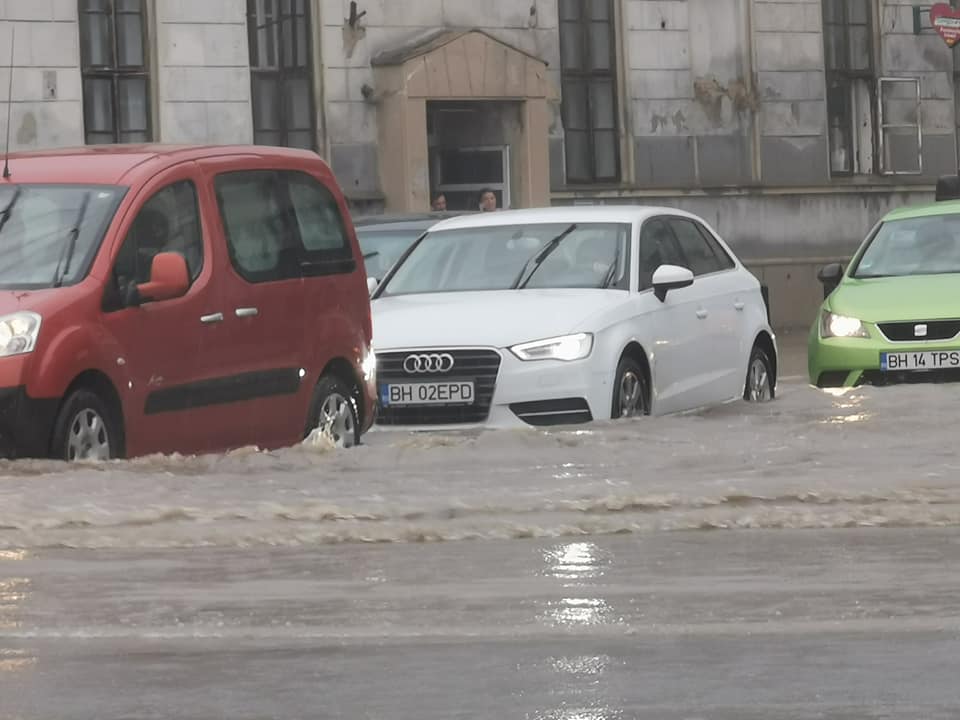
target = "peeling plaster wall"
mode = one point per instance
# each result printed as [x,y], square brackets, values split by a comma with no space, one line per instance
[203,79]
[352,119]
[47,102]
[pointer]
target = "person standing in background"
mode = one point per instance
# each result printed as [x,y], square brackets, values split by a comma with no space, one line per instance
[488,200]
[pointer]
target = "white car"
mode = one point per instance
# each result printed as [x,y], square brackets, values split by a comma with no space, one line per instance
[565,315]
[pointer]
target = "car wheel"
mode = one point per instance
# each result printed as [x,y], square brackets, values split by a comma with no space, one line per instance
[85,429]
[334,412]
[630,390]
[759,383]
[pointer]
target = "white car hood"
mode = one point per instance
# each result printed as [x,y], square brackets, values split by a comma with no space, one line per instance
[496,318]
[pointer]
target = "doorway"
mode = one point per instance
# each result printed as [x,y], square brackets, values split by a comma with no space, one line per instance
[469,150]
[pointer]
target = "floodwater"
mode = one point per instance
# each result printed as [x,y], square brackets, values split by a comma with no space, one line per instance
[792,560]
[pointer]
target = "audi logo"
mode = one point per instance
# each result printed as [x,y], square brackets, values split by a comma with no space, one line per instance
[428,363]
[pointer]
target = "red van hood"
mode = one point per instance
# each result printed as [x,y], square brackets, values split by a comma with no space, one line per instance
[38,301]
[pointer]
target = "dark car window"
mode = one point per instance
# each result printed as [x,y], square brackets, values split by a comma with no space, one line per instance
[657,247]
[726,262]
[168,222]
[699,255]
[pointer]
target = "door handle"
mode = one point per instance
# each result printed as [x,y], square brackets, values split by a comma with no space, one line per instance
[702,314]
[247,312]
[738,305]
[213,318]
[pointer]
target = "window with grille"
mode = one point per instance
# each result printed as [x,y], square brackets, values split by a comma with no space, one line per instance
[281,71]
[116,76]
[589,91]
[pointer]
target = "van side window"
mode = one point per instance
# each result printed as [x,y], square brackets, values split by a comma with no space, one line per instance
[259,226]
[319,221]
[168,222]
[700,257]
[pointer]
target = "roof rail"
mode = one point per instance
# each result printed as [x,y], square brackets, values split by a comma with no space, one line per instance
[948,188]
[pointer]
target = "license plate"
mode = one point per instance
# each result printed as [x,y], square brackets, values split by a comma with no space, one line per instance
[427,393]
[930,360]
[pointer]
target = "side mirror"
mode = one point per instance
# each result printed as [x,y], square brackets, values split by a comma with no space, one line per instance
[830,275]
[169,279]
[670,277]
[372,284]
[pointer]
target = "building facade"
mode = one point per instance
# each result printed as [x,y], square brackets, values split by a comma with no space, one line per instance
[791,125]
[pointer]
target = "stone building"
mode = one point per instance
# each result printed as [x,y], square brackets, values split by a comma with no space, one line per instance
[791,125]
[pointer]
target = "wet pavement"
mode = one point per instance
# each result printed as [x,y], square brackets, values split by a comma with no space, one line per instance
[791,560]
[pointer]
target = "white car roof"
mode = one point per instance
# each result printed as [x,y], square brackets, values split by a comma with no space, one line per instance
[559,214]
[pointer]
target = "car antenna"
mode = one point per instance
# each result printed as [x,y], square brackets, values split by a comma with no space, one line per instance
[6,149]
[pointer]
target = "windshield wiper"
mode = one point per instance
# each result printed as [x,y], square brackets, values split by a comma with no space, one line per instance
[66,255]
[537,260]
[8,210]
[369,255]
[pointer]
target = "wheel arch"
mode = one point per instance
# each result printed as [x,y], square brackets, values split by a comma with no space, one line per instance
[764,340]
[343,370]
[634,350]
[99,383]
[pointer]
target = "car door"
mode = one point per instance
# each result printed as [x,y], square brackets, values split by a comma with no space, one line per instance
[163,348]
[262,301]
[718,334]
[672,325]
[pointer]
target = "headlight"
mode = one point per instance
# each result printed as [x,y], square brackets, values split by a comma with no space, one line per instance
[369,365]
[841,326]
[18,333]
[568,347]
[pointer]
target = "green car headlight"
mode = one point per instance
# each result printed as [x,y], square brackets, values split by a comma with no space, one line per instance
[841,326]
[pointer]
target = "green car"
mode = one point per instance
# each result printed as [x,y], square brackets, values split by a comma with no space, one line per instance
[893,315]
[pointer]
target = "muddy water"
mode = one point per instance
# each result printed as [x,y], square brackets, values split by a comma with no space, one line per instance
[869,457]
[794,560]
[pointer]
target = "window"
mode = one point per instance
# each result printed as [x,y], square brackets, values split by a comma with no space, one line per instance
[319,221]
[658,247]
[116,82]
[850,75]
[698,252]
[168,222]
[259,226]
[282,225]
[281,72]
[587,63]
[50,234]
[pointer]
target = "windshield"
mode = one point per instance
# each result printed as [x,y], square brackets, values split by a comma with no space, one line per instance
[38,245]
[388,245]
[548,255]
[917,246]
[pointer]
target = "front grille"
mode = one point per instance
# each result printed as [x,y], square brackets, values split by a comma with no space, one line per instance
[480,366]
[879,377]
[542,413]
[906,331]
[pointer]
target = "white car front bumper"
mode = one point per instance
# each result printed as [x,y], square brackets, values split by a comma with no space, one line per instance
[525,394]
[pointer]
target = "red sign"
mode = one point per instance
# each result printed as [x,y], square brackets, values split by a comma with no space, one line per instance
[946,21]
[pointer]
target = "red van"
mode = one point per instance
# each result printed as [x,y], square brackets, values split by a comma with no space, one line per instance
[178,299]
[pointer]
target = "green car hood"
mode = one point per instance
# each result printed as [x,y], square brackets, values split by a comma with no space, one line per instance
[913,297]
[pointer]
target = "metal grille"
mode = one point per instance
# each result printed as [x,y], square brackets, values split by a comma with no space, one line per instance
[879,377]
[480,366]
[906,331]
[567,411]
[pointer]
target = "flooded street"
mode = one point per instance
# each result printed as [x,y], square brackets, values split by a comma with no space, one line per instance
[792,560]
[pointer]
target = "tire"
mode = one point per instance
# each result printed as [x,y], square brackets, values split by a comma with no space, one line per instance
[86,429]
[334,406]
[630,391]
[758,386]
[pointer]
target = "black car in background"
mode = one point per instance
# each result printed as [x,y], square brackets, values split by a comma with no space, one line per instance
[384,238]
